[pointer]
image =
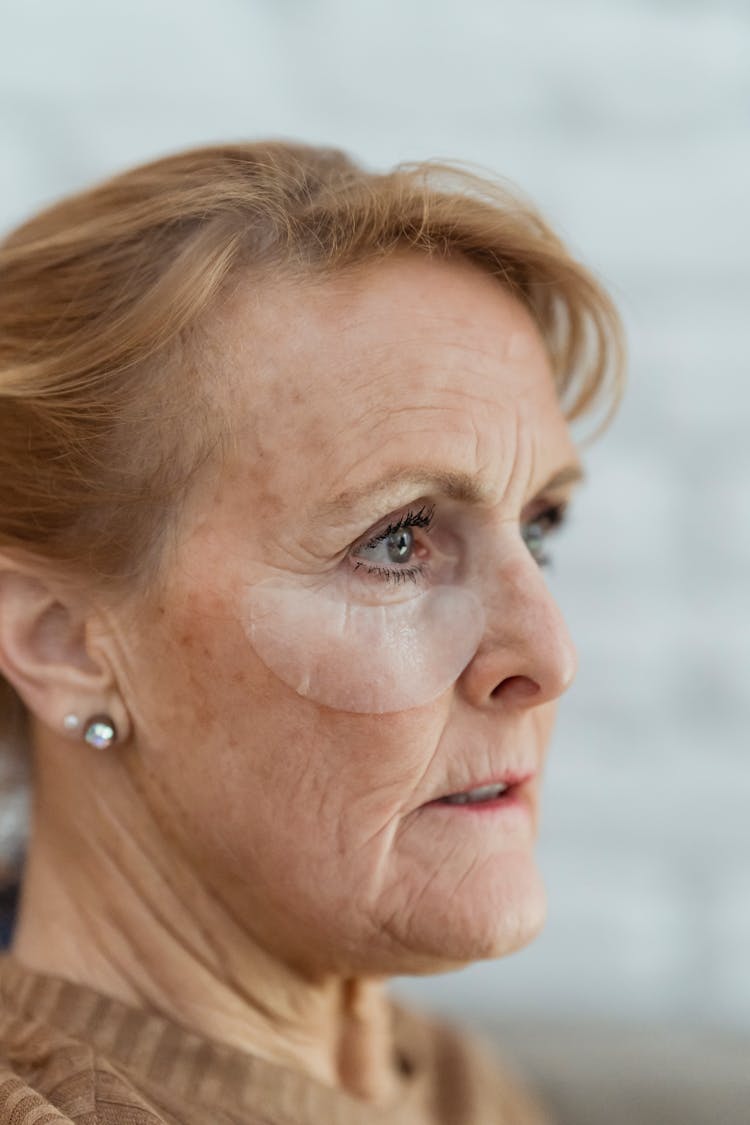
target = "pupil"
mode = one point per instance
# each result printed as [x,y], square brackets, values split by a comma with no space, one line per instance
[399,545]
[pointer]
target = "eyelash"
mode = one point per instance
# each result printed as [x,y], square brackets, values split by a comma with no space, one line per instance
[422,518]
[552,518]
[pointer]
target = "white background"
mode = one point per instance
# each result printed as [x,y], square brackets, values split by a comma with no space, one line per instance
[628,122]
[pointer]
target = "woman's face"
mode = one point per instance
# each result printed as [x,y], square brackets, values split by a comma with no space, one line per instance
[315,820]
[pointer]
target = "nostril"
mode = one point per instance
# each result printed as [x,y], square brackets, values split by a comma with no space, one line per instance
[520,686]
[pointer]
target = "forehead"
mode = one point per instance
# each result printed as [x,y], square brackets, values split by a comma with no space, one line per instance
[332,377]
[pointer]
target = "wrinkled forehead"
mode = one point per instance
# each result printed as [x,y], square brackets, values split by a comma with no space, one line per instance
[327,376]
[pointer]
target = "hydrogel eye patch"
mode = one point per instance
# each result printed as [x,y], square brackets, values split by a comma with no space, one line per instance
[364,658]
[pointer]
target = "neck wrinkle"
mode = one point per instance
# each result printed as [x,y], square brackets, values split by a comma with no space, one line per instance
[111,904]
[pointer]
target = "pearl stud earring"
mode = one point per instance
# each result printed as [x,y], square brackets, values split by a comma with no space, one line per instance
[71,722]
[100,732]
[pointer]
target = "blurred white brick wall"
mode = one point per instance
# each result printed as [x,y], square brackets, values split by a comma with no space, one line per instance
[629,122]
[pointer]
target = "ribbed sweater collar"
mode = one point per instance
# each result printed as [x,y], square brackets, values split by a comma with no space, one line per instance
[160,1054]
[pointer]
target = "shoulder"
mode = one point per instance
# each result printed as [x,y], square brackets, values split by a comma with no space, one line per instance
[48,1077]
[471,1081]
[45,1076]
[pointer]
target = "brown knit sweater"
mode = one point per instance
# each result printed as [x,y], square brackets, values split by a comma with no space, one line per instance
[70,1054]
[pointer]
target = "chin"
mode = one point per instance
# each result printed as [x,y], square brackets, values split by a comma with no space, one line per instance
[489,915]
[497,924]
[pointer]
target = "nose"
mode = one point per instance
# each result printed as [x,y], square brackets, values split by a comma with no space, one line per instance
[526,656]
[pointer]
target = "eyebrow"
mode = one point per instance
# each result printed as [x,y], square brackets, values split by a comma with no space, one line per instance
[399,481]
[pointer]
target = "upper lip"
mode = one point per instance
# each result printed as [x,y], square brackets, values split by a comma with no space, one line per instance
[508,778]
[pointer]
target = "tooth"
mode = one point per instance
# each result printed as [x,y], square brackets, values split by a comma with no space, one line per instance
[482,792]
[486,791]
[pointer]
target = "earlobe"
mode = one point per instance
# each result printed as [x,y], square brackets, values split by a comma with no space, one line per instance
[44,652]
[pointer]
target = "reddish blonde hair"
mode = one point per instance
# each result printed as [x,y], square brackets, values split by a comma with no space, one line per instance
[104,416]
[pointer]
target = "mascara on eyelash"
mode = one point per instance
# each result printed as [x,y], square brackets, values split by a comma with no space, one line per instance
[554,517]
[421,518]
[387,574]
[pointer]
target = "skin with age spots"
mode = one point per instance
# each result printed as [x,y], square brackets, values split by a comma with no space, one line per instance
[270,858]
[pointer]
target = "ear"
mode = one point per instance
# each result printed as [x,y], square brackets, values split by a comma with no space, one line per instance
[46,652]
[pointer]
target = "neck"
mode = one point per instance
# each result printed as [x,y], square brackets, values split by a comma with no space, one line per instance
[106,903]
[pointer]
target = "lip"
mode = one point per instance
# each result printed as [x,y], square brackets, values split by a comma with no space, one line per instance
[517,796]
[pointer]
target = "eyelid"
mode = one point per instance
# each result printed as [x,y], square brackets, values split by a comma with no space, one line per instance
[423,509]
[541,506]
[558,509]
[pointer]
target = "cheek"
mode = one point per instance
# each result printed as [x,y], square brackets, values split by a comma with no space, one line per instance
[234,741]
[364,658]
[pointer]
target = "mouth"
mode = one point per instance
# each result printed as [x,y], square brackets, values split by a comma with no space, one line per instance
[476,796]
[488,794]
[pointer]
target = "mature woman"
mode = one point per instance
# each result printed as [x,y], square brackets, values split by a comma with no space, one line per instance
[281,442]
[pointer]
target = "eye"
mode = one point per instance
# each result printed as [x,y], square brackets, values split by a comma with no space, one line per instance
[386,554]
[399,545]
[535,532]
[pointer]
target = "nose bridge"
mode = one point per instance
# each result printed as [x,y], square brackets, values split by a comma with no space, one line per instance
[526,633]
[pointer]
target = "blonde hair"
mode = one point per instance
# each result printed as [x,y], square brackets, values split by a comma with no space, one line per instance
[104,413]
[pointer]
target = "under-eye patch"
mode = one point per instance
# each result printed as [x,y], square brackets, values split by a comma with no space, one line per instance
[364,658]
